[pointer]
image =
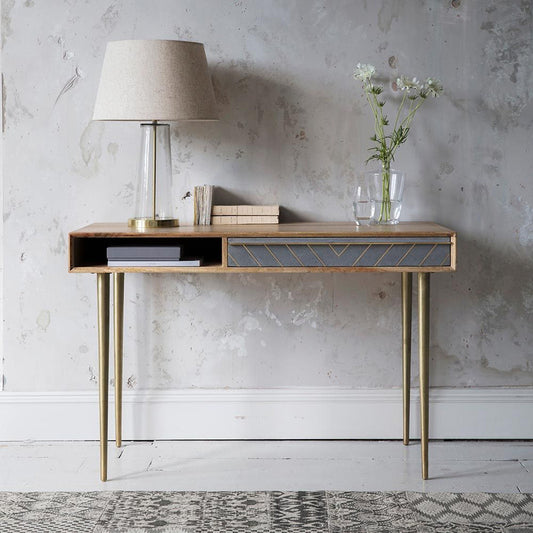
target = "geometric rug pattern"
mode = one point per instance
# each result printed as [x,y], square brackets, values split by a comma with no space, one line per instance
[264,512]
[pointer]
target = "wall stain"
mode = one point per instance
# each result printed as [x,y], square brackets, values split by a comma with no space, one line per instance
[289,112]
[110,17]
[525,233]
[112,148]
[43,319]
[127,193]
[507,59]
[390,10]
[61,246]
[7,6]
[91,144]
[16,111]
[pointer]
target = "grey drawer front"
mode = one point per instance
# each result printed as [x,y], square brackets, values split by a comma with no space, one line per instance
[341,252]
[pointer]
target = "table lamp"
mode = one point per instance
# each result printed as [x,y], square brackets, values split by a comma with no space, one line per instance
[149,81]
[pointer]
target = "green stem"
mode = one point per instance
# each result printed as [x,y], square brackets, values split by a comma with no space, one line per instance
[385,211]
[400,110]
[406,122]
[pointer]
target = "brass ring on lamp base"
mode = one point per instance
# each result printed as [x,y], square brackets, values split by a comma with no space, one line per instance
[144,223]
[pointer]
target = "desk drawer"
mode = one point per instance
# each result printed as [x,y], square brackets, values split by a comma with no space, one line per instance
[339,252]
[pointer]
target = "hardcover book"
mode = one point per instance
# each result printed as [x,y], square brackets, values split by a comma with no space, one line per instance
[250,210]
[144,253]
[244,219]
[152,263]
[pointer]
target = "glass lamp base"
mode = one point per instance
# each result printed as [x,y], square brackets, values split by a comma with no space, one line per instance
[143,223]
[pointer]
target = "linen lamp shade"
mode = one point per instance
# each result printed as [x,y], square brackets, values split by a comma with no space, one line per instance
[155,80]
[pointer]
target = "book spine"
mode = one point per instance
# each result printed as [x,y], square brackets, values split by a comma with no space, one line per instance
[224,210]
[243,219]
[246,210]
[203,196]
[258,210]
[223,219]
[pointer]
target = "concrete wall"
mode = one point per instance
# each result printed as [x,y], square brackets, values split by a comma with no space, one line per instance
[294,130]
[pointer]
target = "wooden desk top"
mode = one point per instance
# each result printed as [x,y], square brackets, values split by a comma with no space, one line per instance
[297,229]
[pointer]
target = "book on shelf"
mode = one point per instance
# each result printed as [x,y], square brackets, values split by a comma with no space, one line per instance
[203,198]
[250,210]
[154,263]
[244,219]
[144,253]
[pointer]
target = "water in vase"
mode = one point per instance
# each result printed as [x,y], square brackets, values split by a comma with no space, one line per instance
[395,209]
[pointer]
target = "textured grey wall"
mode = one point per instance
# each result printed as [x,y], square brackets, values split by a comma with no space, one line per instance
[294,130]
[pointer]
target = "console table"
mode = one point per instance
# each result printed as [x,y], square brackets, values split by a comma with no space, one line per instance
[420,247]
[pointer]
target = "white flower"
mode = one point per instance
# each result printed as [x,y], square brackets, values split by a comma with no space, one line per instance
[406,84]
[364,72]
[433,87]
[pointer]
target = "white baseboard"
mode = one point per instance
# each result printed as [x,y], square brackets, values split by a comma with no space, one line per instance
[317,413]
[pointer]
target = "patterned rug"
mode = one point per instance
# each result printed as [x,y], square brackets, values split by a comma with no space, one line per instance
[264,512]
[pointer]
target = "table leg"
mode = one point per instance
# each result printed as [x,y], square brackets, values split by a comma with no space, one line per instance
[407,311]
[423,352]
[103,364]
[118,330]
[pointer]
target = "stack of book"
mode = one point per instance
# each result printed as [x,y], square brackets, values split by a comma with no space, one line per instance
[245,214]
[147,256]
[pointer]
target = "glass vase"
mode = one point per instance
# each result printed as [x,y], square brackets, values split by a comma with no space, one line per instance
[387,188]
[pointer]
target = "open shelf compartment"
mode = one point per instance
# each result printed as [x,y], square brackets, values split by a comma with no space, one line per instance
[92,251]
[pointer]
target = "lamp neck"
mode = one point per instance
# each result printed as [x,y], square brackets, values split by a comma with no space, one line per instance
[154,123]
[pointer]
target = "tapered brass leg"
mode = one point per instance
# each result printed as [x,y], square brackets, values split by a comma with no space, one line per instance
[103,363]
[407,307]
[423,351]
[118,329]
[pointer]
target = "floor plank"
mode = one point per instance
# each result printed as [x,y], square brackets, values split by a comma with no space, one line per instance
[268,465]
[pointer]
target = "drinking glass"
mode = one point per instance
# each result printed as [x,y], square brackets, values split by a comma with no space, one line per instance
[363,202]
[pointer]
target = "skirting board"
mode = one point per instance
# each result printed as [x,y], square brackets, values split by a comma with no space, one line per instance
[317,413]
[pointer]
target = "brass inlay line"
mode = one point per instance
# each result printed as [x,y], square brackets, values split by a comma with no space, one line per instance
[273,255]
[427,255]
[333,249]
[233,259]
[294,255]
[314,243]
[405,255]
[315,254]
[252,255]
[445,259]
[358,259]
[384,254]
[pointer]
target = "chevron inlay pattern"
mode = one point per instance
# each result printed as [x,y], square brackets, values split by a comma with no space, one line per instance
[338,253]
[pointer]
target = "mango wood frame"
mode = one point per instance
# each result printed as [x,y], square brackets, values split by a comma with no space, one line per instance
[87,255]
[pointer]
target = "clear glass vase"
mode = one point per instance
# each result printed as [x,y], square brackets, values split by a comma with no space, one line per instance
[387,194]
